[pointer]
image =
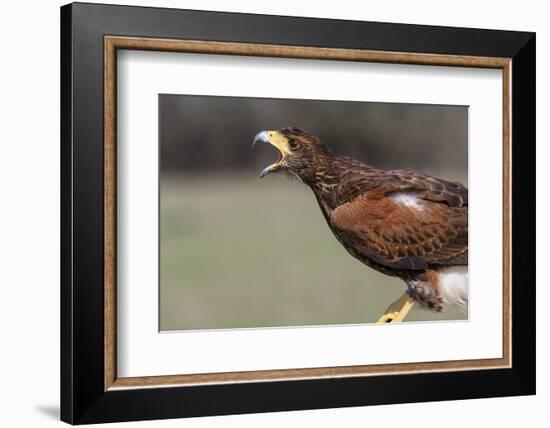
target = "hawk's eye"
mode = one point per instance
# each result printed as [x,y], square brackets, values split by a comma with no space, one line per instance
[294,145]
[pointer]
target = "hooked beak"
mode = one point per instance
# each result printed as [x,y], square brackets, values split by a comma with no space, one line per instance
[277,140]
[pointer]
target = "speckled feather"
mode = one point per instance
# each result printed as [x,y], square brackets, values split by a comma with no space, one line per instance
[401,223]
[367,210]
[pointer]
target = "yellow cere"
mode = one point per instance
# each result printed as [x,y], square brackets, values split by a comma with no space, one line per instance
[280,141]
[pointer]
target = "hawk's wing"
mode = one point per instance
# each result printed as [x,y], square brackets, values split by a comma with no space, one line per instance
[359,180]
[406,225]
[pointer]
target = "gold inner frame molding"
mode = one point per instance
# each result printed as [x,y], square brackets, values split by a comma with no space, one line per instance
[113,43]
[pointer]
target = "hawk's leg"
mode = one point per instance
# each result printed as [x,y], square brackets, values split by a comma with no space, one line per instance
[398,310]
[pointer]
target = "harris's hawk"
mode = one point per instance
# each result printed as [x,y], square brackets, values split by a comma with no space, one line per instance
[401,223]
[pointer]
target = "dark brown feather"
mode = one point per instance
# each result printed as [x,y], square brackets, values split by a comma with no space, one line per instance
[363,206]
[398,236]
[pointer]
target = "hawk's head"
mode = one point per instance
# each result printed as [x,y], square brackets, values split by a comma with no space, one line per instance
[300,153]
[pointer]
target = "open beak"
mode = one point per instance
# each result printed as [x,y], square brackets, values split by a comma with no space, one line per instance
[277,140]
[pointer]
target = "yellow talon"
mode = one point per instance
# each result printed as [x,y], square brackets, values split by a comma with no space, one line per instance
[398,310]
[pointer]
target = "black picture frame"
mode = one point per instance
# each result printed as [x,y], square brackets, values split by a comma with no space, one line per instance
[83,396]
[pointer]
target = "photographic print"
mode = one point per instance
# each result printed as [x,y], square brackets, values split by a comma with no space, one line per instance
[341,213]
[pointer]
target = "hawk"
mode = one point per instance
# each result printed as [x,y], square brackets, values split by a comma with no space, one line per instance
[400,223]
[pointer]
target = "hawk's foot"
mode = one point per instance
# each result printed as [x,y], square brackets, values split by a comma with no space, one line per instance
[398,310]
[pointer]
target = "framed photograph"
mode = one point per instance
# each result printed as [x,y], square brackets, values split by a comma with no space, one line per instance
[265,213]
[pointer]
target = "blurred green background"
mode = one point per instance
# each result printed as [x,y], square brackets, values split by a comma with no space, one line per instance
[237,251]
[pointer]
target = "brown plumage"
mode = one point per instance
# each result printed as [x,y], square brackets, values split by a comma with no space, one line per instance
[401,223]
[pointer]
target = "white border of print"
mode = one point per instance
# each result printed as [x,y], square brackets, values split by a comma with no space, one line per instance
[143,351]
